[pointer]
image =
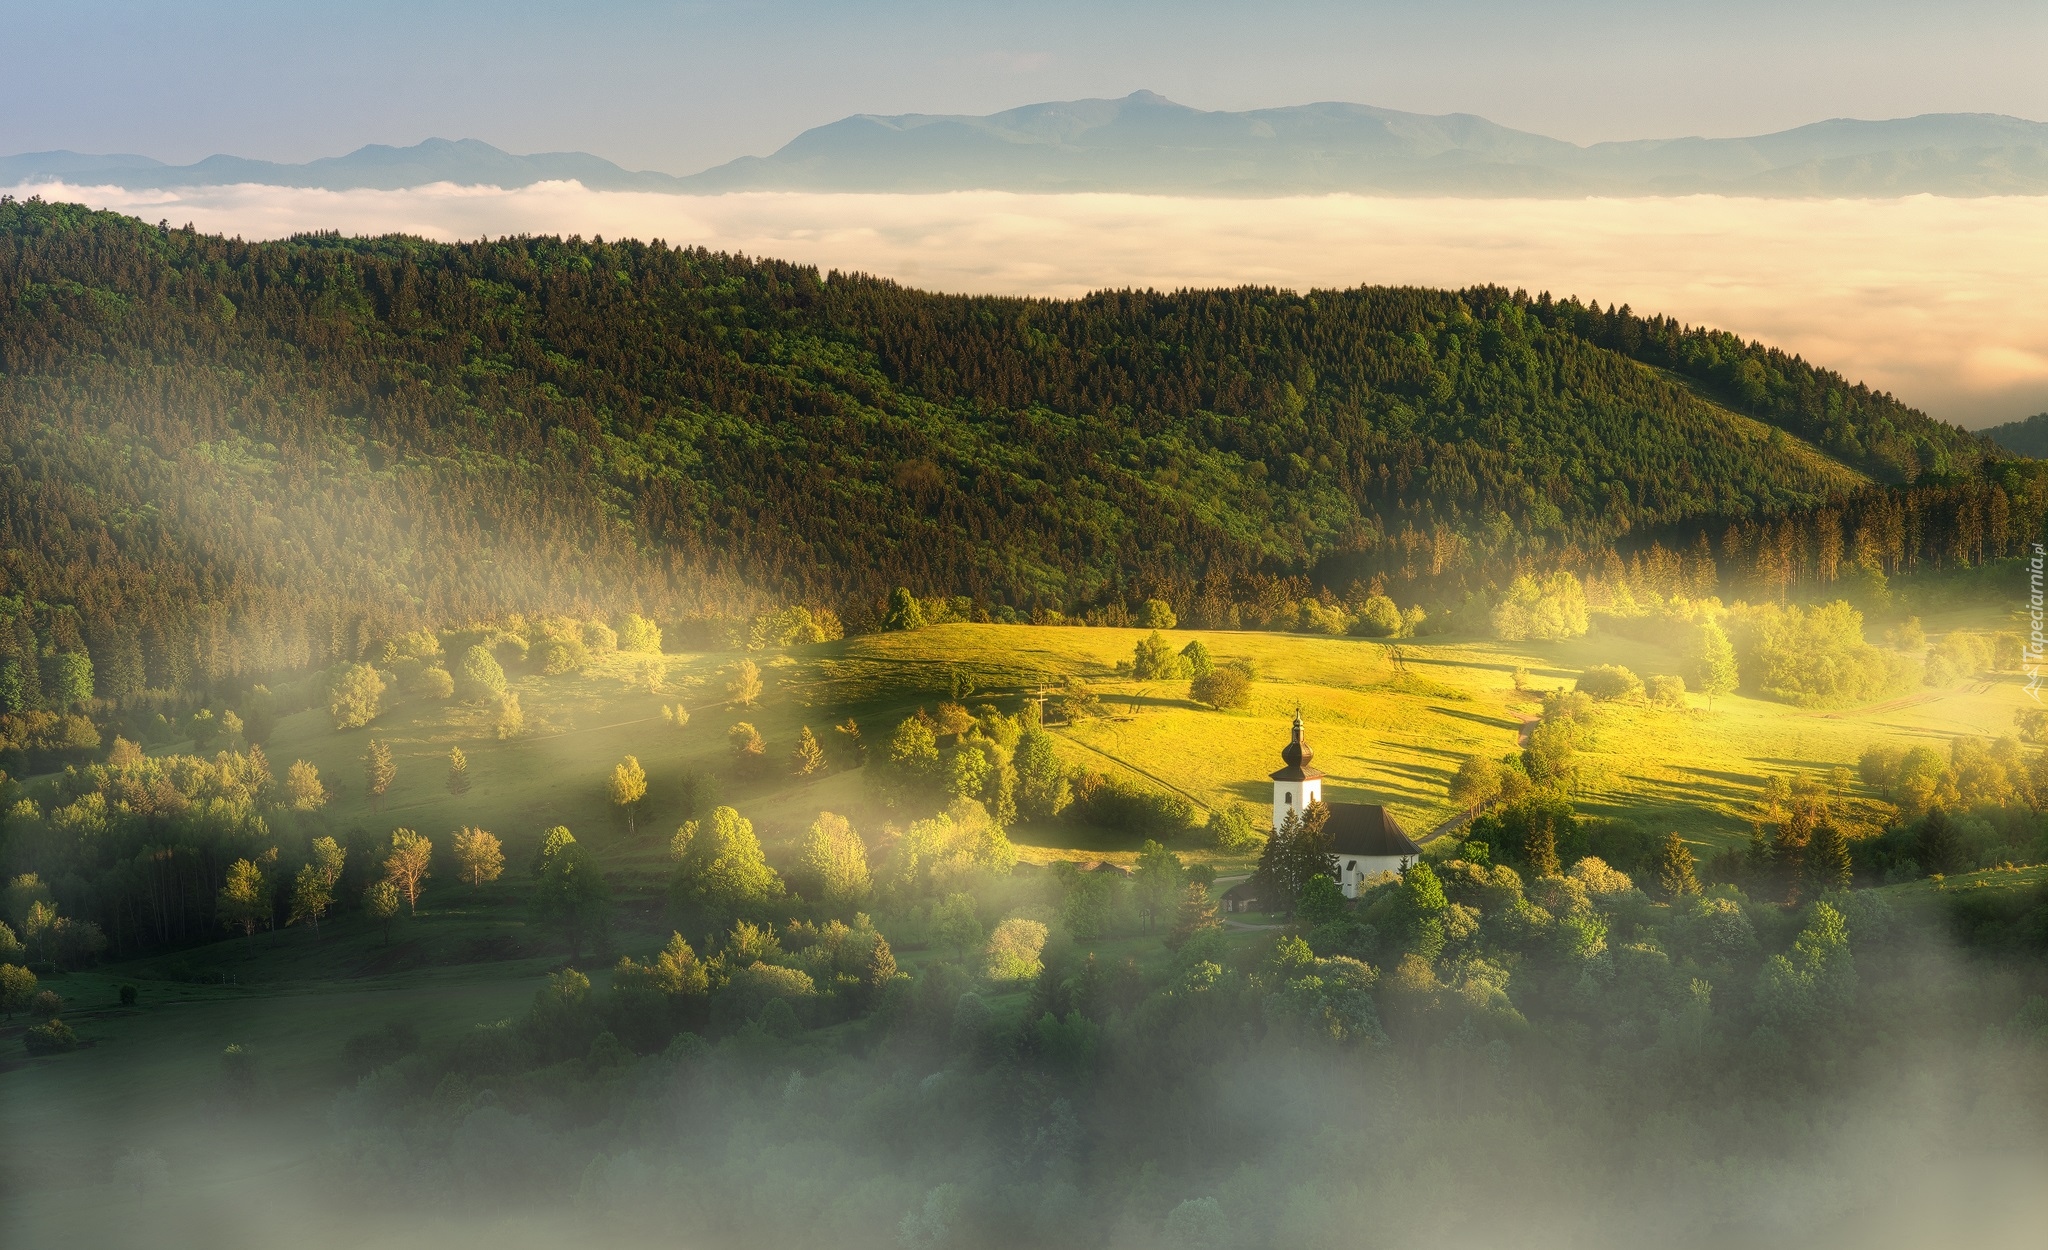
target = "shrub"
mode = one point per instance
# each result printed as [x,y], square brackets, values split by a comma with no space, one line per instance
[637,633]
[50,1038]
[1666,690]
[1230,828]
[561,655]
[45,1006]
[1113,803]
[1156,660]
[128,995]
[1379,618]
[1013,950]
[1610,681]
[1222,688]
[481,676]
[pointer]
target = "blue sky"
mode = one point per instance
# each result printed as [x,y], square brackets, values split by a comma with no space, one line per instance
[678,86]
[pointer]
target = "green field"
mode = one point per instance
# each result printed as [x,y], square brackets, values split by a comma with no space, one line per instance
[1382,734]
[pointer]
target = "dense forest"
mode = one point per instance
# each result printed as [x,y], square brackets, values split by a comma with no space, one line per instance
[224,459]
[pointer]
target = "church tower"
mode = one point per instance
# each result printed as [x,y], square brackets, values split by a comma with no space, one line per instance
[1298,785]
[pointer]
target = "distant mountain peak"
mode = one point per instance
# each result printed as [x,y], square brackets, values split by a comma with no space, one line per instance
[1144,142]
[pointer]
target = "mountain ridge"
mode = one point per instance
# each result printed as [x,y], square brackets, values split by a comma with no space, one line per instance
[335,435]
[1145,143]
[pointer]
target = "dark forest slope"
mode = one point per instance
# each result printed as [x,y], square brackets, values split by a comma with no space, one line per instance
[230,457]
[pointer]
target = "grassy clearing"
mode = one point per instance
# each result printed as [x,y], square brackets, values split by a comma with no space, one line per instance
[1382,734]
[1396,736]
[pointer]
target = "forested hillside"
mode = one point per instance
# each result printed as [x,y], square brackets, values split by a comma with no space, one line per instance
[224,458]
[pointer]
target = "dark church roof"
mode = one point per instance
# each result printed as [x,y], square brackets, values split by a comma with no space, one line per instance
[1367,829]
[1297,755]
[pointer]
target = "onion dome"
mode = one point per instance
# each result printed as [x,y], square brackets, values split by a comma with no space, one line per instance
[1297,753]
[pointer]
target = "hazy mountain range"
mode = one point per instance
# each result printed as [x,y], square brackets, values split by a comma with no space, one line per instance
[1146,143]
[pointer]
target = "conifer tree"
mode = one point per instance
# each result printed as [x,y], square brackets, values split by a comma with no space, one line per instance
[1197,913]
[744,688]
[1827,858]
[1539,848]
[808,757]
[260,779]
[379,769]
[1675,868]
[458,772]
[1298,850]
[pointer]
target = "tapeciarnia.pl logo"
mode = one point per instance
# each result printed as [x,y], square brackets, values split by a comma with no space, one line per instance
[2037,644]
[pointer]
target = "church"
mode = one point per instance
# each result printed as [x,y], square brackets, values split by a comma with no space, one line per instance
[1365,836]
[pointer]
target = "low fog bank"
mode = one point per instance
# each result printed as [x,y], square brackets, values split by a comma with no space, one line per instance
[1916,1117]
[1933,299]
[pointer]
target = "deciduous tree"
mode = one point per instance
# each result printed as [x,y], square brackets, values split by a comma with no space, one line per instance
[352,696]
[312,895]
[407,866]
[626,788]
[834,862]
[380,903]
[244,902]
[302,787]
[479,854]
[569,890]
[1156,881]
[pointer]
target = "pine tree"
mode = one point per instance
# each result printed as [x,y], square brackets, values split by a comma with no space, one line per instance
[1675,868]
[745,686]
[260,779]
[1935,843]
[1827,858]
[1539,848]
[1197,913]
[458,772]
[808,757]
[1298,850]
[378,771]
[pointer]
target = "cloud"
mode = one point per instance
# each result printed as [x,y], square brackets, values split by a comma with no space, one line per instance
[1936,300]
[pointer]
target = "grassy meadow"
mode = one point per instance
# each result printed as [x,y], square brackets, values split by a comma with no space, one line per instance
[1383,732]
